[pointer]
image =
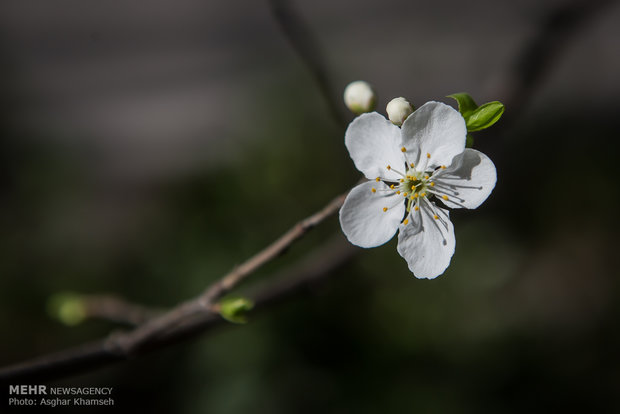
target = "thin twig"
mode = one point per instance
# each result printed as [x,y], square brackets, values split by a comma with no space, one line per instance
[300,36]
[317,267]
[116,309]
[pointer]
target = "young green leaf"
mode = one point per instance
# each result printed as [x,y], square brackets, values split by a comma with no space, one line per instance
[466,103]
[234,309]
[485,116]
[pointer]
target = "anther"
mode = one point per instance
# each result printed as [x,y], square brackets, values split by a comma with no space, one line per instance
[403,149]
[401,180]
[428,155]
[392,186]
[398,192]
[443,167]
[445,197]
[416,208]
[426,177]
[377,179]
[432,184]
[374,190]
[436,217]
[406,221]
[389,168]
[422,194]
[412,165]
[385,209]
[404,194]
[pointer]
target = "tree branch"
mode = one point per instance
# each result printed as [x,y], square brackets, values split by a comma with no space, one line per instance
[317,266]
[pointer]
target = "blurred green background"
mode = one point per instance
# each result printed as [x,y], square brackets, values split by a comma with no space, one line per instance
[145,152]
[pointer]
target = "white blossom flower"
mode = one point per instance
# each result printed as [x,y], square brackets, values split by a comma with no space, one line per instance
[359,97]
[417,172]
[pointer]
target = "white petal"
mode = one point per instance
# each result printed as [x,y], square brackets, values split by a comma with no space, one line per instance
[471,178]
[427,252]
[362,218]
[436,129]
[374,143]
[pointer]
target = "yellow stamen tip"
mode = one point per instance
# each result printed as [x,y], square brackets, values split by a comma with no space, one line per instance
[412,165]
[374,190]
[423,194]
[413,187]
[443,167]
[436,217]
[445,197]
[392,186]
[432,184]
[406,221]
[398,192]
[428,155]
[404,194]
[385,209]
[403,149]
[426,177]
[401,180]
[389,168]
[377,179]
[416,208]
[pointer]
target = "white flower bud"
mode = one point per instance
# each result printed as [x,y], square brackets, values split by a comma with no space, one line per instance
[359,97]
[398,109]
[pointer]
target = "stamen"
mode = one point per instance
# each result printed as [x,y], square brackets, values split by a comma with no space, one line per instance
[374,190]
[445,197]
[377,179]
[426,177]
[432,184]
[392,186]
[423,194]
[401,180]
[435,216]
[389,168]
[443,167]
[406,221]
[403,149]
[416,208]
[412,165]
[404,194]
[385,209]
[398,192]
[428,155]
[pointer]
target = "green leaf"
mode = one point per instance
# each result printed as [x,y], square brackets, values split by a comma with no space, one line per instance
[67,307]
[485,116]
[466,103]
[234,309]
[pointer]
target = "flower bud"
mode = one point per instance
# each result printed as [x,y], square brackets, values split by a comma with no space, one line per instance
[359,97]
[398,109]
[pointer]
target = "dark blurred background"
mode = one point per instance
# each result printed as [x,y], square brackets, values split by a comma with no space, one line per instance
[147,148]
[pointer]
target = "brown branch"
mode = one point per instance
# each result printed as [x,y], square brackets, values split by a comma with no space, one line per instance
[317,267]
[116,309]
[163,328]
[129,343]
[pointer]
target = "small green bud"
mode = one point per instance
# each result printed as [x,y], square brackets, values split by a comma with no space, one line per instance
[398,109]
[359,97]
[67,307]
[234,309]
